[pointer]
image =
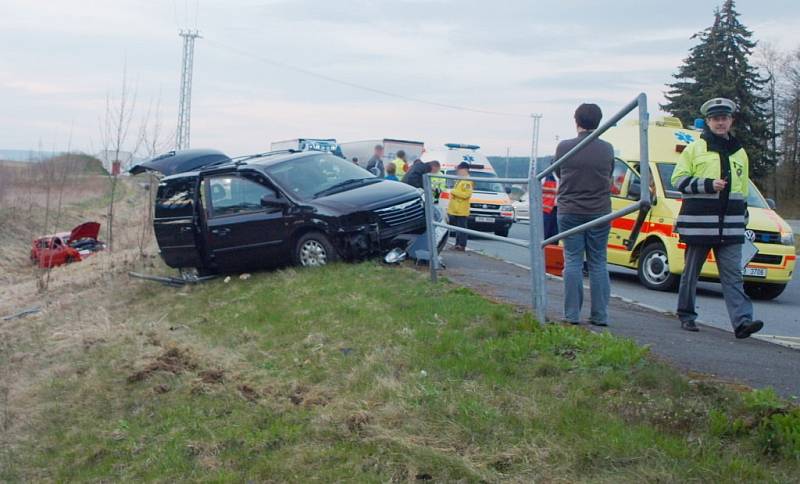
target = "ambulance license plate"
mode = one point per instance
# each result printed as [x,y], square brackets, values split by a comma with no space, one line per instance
[755,272]
[484,220]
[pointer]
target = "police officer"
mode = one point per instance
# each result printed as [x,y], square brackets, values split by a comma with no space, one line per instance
[712,175]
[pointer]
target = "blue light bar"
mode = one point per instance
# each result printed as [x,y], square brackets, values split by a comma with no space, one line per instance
[454,146]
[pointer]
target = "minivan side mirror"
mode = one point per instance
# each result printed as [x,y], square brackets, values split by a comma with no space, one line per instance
[508,190]
[635,190]
[272,200]
[771,203]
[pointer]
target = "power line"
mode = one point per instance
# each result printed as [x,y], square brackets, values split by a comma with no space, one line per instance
[359,86]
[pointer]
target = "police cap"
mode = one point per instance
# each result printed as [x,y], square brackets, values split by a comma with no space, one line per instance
[719,106]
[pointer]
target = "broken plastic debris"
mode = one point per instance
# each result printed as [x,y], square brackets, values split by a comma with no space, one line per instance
[227,280]
[244,276]
[395,256]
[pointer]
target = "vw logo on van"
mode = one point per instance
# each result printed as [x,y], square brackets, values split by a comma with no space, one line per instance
[750,235]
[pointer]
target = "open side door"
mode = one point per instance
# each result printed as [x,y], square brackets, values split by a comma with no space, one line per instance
[176,222]
[625,191]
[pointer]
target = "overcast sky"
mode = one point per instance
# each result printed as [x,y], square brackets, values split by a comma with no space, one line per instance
[59,59]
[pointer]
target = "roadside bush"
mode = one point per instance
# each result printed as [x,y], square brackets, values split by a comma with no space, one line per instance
[762,401]
[763,415]
[779,434]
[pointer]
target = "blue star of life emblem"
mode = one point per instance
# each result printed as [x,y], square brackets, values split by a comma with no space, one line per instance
[684,137]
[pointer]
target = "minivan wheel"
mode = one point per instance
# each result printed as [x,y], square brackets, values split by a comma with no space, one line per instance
[503,232]
[653,269]
[763,291]
[313,250]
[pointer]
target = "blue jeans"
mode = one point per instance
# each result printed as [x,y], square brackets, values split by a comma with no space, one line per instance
[460,221]
[593,244]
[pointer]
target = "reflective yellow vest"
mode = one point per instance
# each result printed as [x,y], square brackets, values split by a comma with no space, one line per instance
[708,217]
[400,169]
[439,183]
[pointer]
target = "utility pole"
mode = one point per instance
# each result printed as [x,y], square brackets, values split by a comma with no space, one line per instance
[508,157]
[185,96]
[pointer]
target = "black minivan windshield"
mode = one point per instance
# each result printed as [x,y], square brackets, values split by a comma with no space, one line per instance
[318,175]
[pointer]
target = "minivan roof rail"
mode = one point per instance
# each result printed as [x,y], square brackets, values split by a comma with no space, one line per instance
[242,158]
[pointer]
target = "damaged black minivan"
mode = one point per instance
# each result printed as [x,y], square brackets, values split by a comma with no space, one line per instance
[216,214]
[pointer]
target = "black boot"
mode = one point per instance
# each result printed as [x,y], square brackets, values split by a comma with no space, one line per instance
[747,328]
[689,326]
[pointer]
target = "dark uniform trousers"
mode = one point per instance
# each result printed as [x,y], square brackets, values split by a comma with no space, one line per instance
[729,257]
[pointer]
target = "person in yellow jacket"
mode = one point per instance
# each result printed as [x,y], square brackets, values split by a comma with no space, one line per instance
[458,208]
[713,177]
[400,164]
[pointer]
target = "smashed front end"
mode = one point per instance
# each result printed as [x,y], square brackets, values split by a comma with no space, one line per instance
[381,230]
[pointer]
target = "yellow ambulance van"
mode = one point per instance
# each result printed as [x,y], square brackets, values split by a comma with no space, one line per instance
[657,254]
[490,205]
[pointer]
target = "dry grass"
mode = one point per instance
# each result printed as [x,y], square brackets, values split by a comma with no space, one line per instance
[353,372]
[82,304]
[244,380]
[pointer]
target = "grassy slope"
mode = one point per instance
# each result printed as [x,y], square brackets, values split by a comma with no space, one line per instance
[367,372]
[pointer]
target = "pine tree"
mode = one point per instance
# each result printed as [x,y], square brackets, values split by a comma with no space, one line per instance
[719,66]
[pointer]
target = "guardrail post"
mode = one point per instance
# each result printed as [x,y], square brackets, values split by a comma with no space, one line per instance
[433,257]
[644,150]
[536,227]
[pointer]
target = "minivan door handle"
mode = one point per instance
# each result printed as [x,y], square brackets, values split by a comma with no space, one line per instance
[186,229]
[222,232]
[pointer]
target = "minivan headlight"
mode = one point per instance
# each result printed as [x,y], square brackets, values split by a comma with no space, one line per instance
[506,208]
[787,238]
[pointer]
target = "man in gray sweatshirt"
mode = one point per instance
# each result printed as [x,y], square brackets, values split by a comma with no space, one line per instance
[584,194]
[375,164]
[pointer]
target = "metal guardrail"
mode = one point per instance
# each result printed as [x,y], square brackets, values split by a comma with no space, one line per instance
[537,242]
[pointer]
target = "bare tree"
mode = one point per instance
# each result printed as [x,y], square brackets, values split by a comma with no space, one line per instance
[152,141]
[770,61]
[46,178]
[114,133]
[789,106]
[66,169]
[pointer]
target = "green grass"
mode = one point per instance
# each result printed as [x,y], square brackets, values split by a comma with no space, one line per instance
[373,374]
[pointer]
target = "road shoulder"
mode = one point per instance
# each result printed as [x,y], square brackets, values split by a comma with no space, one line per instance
[711,352]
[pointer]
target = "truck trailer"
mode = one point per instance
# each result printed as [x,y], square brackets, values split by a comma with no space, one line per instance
[363,150]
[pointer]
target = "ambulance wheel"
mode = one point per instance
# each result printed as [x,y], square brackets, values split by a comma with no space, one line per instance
[502,232]
[313,250]
[763,291]
[654,268]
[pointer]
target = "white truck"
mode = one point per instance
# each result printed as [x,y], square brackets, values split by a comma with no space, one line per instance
[363,150]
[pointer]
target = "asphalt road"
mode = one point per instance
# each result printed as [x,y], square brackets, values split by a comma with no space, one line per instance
[781,316]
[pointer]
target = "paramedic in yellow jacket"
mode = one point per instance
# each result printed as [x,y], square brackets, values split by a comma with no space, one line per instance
[458,208]
[713,178]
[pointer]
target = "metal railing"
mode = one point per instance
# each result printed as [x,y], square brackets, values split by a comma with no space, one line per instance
[537,242]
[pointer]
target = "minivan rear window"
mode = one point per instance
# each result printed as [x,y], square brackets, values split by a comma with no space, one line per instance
[175,198]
